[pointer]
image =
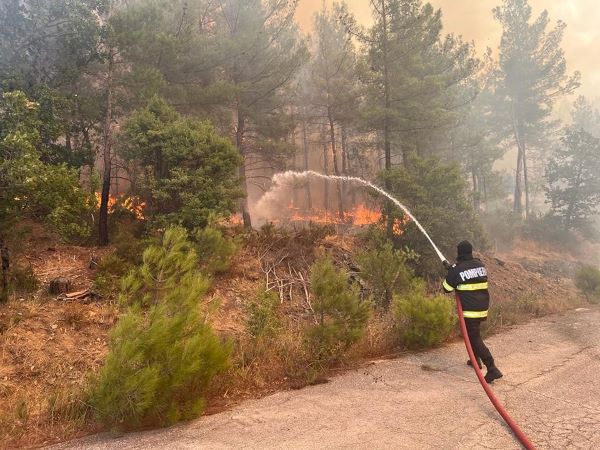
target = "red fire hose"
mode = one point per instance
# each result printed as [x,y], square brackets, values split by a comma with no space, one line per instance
[488,390]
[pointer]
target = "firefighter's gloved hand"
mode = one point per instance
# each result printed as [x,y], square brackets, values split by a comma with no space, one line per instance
[447,264]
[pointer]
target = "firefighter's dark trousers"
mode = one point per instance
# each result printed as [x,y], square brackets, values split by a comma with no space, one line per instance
[479,348]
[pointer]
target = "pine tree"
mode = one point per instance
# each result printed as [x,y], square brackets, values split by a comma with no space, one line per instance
[341,316]
[586,117]
[333,82]
[162,352]
[415,78]
[186,172]
[573,187]
[261,56]
[532,76]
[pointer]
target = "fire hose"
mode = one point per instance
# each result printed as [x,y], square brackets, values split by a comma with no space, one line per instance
[511,423]
[486,387]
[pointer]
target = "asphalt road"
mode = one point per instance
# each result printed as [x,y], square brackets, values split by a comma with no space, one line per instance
[430,400]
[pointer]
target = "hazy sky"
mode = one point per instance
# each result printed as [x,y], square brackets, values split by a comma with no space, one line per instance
[473,20]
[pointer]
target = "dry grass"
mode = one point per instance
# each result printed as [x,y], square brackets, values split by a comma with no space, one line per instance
[47,348]
[380,338]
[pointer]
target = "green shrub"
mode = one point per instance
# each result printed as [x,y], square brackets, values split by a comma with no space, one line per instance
[341,316]
[587,280]
[214,250]
[130,243]
[434,191]
[502,233]
[129,247]
[196,174]
[423,321]
[263,319]
[162,353]
[514,312]
[24,279]
[109,272]
[546,229]
[385,270]
[66,207]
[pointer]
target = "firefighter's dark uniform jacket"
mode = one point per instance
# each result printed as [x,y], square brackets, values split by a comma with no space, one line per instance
[469,278]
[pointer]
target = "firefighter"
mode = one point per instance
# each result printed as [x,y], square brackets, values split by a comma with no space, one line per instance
[469,278]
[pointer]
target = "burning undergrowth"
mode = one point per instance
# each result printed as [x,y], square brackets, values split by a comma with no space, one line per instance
[295,199]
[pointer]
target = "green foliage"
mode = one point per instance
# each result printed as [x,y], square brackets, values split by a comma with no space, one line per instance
[586,117]
[263,319]
[341,316]
[385,270]
[587,279]
[109,272]
[130,242]
[514,312]
[60,38]
[415,78]
[57,198]
[28,186]
[573,188]
[162,353]
[437,194]
[423,321]
[165,270]
[333,83]
[546,229]
[23,279]
[503,226]
[214,250]
[531,77]
[129,245]
[188,173]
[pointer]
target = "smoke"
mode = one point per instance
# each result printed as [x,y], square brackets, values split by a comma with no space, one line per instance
[285,180]
[276,200]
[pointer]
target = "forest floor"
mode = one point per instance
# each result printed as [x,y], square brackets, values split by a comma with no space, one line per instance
[49,346]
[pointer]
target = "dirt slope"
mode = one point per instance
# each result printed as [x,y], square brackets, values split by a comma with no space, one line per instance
[421,401]
[47,346]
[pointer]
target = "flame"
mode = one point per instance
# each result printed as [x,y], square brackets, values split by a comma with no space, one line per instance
[132,204]
[360,215]
[235,220]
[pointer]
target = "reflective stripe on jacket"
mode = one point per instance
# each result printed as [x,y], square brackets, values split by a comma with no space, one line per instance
[469,278]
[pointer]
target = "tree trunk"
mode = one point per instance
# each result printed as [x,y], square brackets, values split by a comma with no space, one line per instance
[345,162]
[387,147]
[295,201]
[476,196]
[485,194]
[239,142]
[518,198]
[87,142]
[344,151]
[335,165]
[325,169]
[386,89]
[107,160]
[525,180]
[306,165]
[476,193]
[5,266]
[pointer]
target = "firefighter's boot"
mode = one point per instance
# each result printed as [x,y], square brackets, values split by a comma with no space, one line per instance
[493,373]
[478,359]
